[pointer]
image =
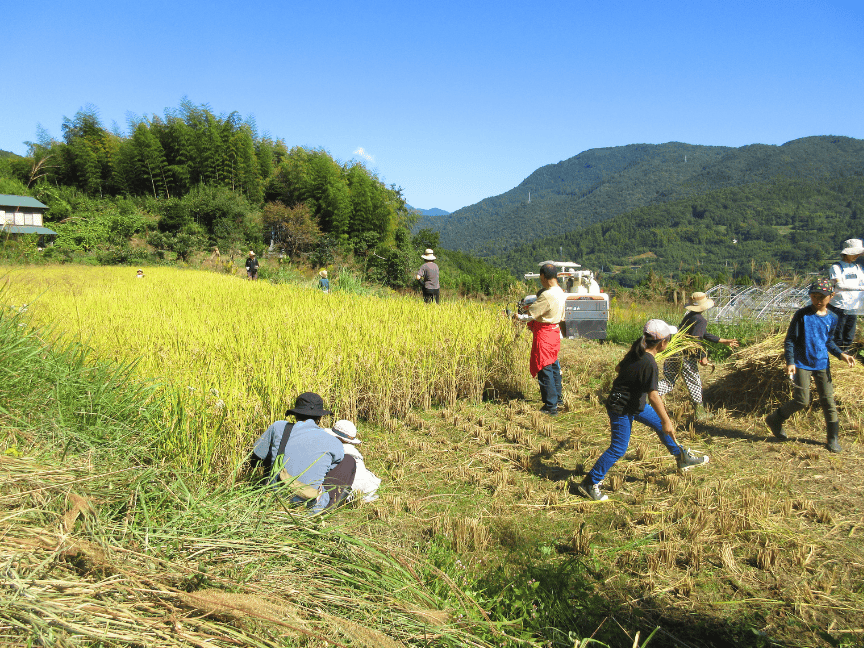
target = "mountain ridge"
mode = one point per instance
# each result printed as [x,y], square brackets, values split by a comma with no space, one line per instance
[598,184]
[428,212]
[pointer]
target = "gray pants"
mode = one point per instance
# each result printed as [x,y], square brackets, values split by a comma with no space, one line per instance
[801,394]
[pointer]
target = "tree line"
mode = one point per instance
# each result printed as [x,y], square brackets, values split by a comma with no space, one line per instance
[193,180]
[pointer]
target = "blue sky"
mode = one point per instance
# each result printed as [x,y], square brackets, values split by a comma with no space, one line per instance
[454,101]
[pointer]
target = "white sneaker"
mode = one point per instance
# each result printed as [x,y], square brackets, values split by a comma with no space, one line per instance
[591,491]
[687,460]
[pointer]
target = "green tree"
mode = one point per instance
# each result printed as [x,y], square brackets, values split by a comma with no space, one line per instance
[293,229]
[150,159]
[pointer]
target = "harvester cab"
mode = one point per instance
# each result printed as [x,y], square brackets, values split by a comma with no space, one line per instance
[586,310]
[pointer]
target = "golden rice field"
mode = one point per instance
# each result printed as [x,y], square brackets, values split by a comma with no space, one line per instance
[232,354]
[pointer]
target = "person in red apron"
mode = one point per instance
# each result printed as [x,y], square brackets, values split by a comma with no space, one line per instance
[545,316]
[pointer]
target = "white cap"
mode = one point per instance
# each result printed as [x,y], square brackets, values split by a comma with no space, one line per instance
[659,330]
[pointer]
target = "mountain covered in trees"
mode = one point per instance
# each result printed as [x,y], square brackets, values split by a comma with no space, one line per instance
[599,184]
[722,236]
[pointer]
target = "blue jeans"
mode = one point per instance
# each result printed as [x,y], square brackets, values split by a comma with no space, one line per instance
[549,378]
[621,426]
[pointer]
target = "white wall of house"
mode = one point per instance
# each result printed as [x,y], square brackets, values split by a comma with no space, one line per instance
[21,217]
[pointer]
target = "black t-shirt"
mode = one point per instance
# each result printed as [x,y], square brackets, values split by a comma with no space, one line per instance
[636,378]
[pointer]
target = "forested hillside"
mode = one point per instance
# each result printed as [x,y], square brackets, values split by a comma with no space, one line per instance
[726,234]
[601,183]
[191,181]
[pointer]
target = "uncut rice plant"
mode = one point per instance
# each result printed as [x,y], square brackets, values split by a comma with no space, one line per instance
[101,545]
[232,354]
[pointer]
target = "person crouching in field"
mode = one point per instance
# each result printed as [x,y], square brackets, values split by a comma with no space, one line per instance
[687,362]
[634,397]
[809,340]
[366,483]
[305,458]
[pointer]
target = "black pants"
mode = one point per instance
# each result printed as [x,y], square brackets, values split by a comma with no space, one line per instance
[844,334]
[429,294]
[338,481]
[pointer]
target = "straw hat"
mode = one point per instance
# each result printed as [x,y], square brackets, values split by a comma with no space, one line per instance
[853,247]
[323,273]
[346,431]
[699,302]
[251,253]
[429,256]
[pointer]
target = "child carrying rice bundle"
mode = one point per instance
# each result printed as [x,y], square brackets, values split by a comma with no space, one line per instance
[634,397]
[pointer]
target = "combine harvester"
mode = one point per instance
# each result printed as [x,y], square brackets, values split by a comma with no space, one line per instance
[586,310]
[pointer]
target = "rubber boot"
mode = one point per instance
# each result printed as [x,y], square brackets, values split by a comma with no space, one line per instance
[833,433]
[775,423]
[701,414]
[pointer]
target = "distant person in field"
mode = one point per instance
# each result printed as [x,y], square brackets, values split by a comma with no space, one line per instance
[687,363]
[251,266]
[635,397]
[428,275]
[544,319]
[809,340]
[306,458]
[848,281]
[139,274]
[323,281]
[365,484]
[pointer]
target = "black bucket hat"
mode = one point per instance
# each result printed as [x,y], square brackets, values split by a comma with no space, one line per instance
[309,404]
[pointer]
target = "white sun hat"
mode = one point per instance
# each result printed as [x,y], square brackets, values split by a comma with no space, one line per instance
[853,247]
[346,431]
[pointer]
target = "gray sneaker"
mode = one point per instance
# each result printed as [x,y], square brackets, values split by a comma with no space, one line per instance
[591,491]
[687,460]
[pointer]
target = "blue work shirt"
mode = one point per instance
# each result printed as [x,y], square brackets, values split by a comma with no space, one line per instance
[309,454]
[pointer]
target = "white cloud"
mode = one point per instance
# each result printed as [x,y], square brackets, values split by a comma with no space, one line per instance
[363,154]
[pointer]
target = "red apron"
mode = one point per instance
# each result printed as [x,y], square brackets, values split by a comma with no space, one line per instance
[545,347]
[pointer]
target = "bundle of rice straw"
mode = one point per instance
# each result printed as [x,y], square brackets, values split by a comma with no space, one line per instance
[757,380]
